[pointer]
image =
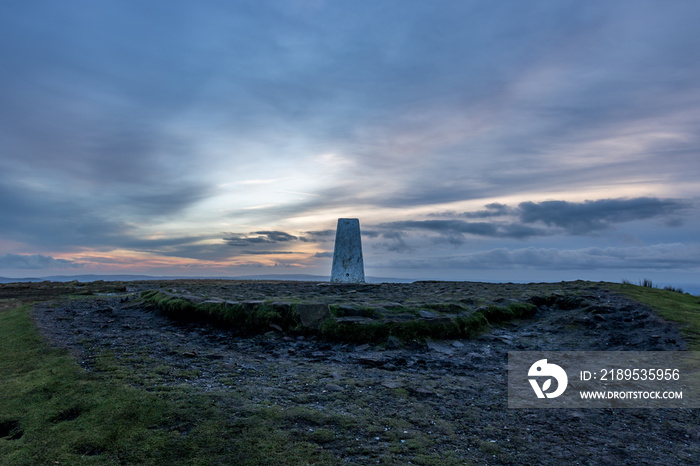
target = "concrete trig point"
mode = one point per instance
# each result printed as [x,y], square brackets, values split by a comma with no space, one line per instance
[348,266]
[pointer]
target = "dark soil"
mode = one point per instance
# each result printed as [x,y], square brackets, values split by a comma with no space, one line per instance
[445,398]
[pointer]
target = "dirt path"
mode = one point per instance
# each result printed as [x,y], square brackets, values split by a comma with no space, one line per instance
[446,397]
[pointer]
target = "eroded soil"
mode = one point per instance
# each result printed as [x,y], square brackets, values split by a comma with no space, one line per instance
[391,403]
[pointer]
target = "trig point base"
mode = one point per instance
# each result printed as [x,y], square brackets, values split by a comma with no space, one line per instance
[348,266]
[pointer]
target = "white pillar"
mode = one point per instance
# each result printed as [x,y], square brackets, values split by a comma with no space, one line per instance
[348,266]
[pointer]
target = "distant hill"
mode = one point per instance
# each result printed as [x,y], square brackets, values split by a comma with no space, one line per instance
[126,278]
[80,278]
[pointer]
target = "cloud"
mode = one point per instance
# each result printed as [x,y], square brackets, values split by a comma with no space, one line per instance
[33,216]
[266,253]
[396,241]
[318,236]
[453,231]
[165,198]
[276,236]
[444,226]
[76,220]
[115,131]
[262,237]
[262,243]
[321,233]
[572,218]
[35,261]
[591,216]
[674,256]
[492,210]
[526,221]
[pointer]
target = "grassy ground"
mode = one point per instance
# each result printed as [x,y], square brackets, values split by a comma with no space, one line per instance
[681,308]
[53,412]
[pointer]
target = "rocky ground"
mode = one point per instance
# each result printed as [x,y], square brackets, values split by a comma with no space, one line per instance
[394,400]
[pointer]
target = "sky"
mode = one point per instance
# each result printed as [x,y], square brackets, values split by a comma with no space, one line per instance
[474,140]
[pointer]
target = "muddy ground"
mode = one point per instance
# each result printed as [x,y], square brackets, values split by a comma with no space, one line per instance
[445,398]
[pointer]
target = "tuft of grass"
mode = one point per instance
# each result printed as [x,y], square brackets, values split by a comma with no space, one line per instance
[683,309]
[249,320]
[259,319]
[674,289]
[647,283]
[465,326]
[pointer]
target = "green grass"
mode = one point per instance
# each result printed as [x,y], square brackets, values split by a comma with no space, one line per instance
[63,414]
[53,412]
[259,320]
[683,309]
[465,326]
[225,315]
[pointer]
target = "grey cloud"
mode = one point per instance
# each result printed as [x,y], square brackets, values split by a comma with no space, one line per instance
[337,196]
[104,260]
[574,218]
[591,216]
[88,103]
[276,236]
[44,220]
[453,230]
[514,230]
[80,220]
[165,198]
[200,247]
[266,253]
[446,213]
[164,243]
[396,241]
[35,261]
[194,247]
[321,233]
[262,242]
[318,236]
[263,237]
[204,252]
[444,226]
[673,256]
[492,210]
[267,240]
